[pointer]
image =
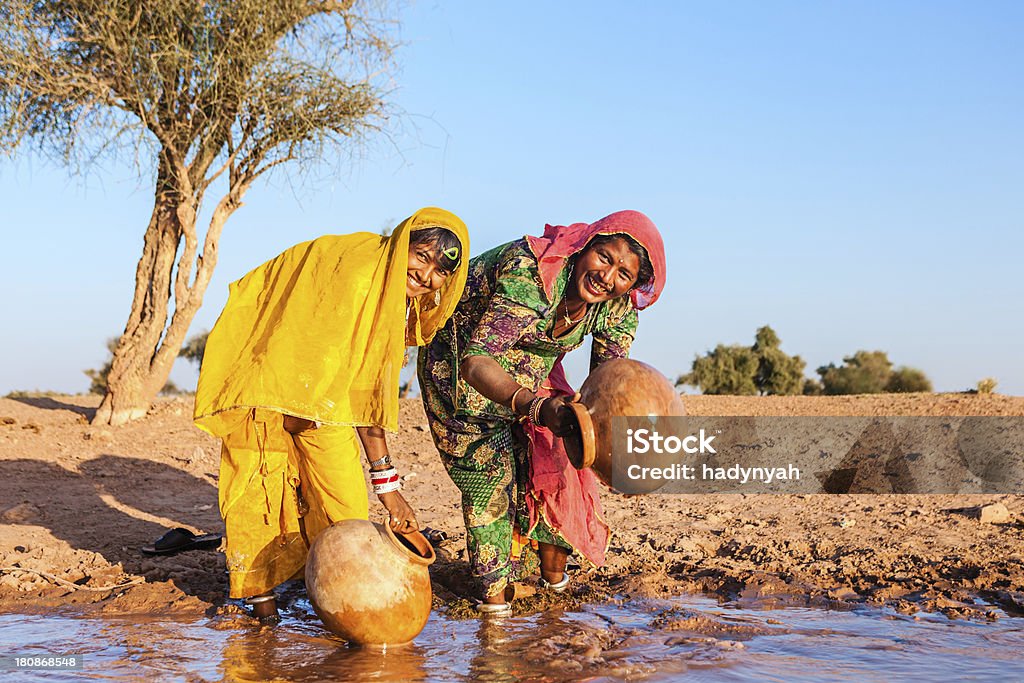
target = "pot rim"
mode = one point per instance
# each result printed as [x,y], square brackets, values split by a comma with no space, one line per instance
[417,540]
[584,456]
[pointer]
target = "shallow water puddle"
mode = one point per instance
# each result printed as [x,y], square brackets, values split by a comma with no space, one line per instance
[640,640]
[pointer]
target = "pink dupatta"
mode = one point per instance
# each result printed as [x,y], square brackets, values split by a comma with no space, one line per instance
[567,498]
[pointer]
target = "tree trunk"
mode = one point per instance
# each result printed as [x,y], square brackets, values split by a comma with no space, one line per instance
[134,382]
[146,352]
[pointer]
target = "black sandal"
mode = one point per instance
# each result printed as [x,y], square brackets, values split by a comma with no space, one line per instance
[180,540]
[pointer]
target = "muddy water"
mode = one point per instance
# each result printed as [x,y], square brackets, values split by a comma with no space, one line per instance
[650,640]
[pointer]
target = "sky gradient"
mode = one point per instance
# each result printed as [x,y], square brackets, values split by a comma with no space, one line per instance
[850,173]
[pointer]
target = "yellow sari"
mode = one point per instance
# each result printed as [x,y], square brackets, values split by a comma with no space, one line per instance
[320,333]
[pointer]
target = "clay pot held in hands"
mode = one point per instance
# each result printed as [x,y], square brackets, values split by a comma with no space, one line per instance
[619,388]
[368,584]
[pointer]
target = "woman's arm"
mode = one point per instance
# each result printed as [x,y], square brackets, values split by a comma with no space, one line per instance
[486,375]
[376,446]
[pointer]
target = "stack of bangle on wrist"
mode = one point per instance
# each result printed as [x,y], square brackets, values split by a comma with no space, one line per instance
[535,407]
[385,481]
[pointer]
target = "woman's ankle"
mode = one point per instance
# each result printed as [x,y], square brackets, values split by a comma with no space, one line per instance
[264,606]
[553,576]
[501,597]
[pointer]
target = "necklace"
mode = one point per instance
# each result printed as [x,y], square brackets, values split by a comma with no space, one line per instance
[567,318]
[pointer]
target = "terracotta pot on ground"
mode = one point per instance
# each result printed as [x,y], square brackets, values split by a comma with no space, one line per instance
[369,585]
[621,388]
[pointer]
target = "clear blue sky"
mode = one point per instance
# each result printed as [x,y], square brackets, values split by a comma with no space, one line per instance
[850,173]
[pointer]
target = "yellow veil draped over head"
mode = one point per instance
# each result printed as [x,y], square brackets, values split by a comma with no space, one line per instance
[318,331]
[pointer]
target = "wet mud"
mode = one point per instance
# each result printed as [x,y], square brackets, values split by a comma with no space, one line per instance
[78,502]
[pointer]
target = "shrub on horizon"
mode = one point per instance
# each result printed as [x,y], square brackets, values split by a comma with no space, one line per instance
[904,380]
[987,385]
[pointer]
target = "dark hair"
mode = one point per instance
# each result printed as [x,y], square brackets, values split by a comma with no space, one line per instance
[443,240]
[645,273]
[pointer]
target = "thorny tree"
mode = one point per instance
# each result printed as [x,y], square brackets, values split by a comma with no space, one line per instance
[208,91]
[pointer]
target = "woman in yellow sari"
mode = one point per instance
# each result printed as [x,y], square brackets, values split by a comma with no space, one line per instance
[301,369]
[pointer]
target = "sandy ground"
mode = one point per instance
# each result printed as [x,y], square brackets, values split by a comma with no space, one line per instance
[76,503]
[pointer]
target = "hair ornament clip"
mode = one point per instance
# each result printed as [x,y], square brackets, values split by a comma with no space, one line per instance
[452,253]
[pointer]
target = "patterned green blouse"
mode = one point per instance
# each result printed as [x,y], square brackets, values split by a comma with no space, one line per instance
[505,314]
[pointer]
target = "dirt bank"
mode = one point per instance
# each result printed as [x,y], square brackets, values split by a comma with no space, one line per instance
[77,501]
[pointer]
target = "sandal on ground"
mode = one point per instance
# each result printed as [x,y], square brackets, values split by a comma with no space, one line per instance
[557,586]
[434,536]
[180,540]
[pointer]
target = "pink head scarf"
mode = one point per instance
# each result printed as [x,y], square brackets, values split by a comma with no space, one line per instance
[562,241]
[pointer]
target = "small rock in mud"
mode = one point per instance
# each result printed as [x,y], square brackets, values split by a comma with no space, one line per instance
[992,514]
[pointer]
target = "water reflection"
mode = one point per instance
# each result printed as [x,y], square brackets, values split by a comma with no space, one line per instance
[285,654]
[643,640]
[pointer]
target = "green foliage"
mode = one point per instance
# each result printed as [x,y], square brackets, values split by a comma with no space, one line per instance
[779,373]
[763,368]
[865,372]
[812,387]
[726,370]
[904,380]
[987,385]
[194,349]
[870,372]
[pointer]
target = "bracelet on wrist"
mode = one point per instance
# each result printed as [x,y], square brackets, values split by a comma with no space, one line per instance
[512,403]
[385,481]
[382,462]
[535,408]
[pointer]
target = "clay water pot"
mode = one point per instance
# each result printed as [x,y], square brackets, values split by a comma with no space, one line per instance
[368,584]
[620,388]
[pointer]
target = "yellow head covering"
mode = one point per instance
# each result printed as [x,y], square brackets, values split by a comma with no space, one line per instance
[318,331]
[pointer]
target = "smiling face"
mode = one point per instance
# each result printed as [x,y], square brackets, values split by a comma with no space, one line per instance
[605,270]
[424,275]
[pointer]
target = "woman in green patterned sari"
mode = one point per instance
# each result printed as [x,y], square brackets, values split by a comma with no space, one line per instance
[495,394]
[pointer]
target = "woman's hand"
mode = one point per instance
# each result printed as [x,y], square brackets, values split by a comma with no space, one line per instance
[556,415]
[403,519]
[294,425]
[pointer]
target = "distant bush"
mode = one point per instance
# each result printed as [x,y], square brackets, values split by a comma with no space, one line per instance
[904,380]
[870,372]
[195,348]
[812,387]
[777,372]
[865,372]
[987,385]
[37,393]
[726,370]
[747,370]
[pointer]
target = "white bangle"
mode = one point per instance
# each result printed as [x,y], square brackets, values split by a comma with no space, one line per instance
[379,489]
[385,481]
